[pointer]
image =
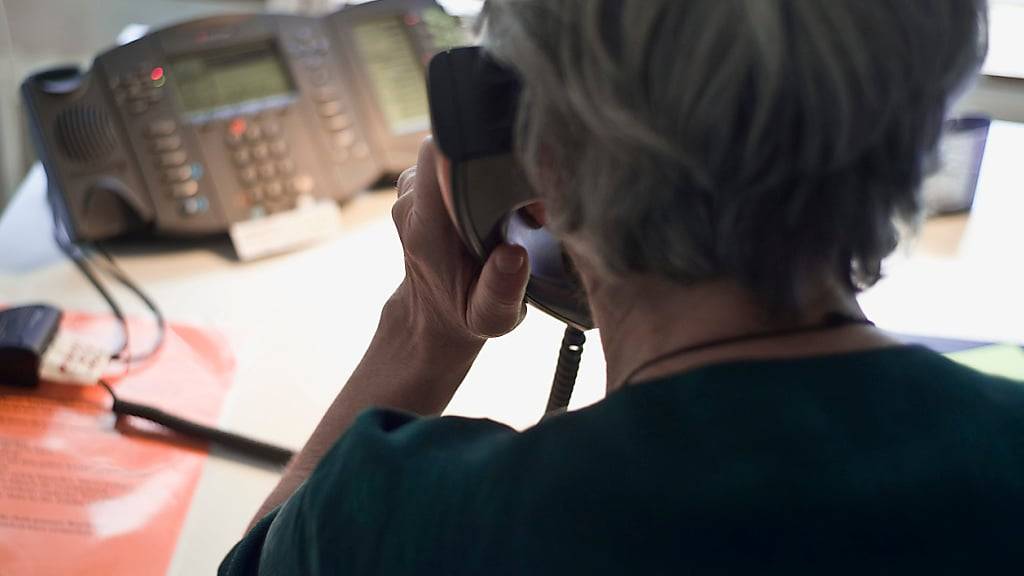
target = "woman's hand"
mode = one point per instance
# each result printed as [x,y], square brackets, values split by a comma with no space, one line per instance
[446,293]
[432,327]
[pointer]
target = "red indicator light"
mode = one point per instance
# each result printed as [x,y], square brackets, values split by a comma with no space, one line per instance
[412,19]
[237,127]
[156,74]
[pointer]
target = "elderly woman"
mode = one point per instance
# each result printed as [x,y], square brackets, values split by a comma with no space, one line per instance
[725,175]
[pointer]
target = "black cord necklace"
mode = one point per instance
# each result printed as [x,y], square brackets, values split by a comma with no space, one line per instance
[831,321]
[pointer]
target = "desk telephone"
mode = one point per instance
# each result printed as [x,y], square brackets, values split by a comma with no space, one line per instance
[201,125]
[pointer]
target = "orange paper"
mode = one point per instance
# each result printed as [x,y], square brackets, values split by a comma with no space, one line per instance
[81,493]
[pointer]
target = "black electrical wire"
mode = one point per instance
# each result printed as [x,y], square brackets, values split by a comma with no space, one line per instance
[269,453]
[569,356]
[78,256]
[161,324]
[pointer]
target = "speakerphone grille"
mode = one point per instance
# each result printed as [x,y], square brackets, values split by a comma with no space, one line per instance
[86,134]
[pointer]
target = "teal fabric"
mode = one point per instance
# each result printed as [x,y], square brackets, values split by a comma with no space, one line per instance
[887,461]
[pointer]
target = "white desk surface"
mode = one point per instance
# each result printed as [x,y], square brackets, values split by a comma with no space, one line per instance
[299,323]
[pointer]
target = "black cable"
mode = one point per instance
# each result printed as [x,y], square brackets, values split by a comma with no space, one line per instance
[81,260]
[247,446]
[254,448]
[569,356]
[161,324]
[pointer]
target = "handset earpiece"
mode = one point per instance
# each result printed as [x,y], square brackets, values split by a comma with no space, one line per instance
[473,107]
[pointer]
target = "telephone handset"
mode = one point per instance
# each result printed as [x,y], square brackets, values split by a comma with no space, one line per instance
[204,124]
[473,108]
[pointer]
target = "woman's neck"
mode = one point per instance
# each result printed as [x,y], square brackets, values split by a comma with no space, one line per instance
[647,318]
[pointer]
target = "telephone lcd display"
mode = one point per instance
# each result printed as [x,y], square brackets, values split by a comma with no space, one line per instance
[395,72]
[227,77]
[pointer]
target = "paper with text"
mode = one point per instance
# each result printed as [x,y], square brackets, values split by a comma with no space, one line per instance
[83,494]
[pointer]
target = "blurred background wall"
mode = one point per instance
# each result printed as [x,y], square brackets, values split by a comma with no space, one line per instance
[36,34]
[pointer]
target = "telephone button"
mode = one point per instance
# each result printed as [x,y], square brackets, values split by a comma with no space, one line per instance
[248,175]
[339,122]
[267,171]
[324,94]
[271,128]
[253,133]
[194,206]
[166,144]
[301,184]
[331,108]
[344,139]
[172,159]
[186,189]
[242,156]
[274,189]
[278,148]
[260,152]
[236,131]
[285,167]
[178,174]
[164,127]
[257,194]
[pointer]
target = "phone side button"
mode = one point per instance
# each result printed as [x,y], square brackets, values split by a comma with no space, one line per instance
[194,206]
[178,174]
[164,127]
[172,159]
[186,189]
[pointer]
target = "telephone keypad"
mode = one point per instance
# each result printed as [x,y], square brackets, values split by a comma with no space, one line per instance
[264,165]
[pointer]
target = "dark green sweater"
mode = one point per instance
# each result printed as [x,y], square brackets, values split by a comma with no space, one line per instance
[894,460]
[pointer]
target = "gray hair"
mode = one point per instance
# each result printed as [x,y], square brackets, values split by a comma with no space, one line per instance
[768,141]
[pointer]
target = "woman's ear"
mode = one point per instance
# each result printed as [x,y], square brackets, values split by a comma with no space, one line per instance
[535,214]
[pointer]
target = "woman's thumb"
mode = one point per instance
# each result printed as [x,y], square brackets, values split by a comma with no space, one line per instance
[496,301]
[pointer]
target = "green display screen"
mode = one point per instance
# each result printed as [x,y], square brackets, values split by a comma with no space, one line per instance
[229,76]
[396,73]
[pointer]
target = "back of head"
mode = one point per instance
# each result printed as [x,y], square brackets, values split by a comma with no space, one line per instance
[770,141]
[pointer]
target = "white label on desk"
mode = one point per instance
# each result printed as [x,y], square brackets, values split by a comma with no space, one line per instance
[285,231]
